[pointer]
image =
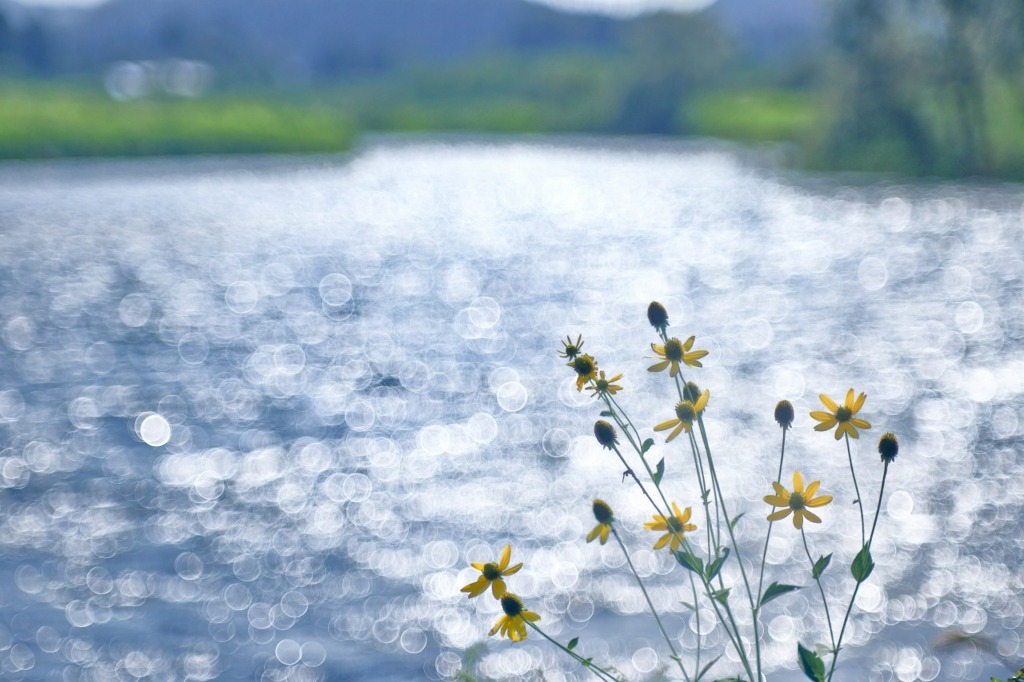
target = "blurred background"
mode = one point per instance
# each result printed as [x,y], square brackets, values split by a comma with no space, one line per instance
[919,87]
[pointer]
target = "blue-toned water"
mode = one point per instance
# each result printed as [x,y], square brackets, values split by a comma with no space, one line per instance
[258,416]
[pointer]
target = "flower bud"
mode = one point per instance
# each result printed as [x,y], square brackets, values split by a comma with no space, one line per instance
[888,447]
[657,316]
[602,512]
[605,434]
[784,414]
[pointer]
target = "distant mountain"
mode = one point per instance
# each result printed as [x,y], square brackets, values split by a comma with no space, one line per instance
[322,39]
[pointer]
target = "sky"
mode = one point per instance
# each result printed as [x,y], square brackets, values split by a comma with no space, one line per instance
[615,7]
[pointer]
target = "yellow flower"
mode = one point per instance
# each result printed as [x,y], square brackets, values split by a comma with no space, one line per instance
[586,369]
[675,351]
[604,516]
[513,623]
[843,415]
[676,525]
[491,574]
[686,413]
[602,385]
[571,349]
[797,502]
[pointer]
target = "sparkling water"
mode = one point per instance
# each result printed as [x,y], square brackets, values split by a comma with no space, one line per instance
[258,416]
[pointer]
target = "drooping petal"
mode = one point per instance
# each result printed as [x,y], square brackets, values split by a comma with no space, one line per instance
[826,424]
[498,588]
[663,426]
[675,369]
[475,589]
[860,423]
[594,533]
[811,516]
[798,520]
[498,625]
[658,367]
[531,616]
[662,541]
[658,523]
[676,432]
[605,529]
[776,500]
[781,514]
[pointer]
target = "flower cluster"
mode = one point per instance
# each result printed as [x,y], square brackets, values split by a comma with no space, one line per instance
[513,623]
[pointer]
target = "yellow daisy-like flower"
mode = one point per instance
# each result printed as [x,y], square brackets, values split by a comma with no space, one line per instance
[675,351]
[491,574]
[571,350]
[586,369]
[686,414]
[602,385]
[843,415]
[604,516]
[513,623]
[676,525]
[796,502]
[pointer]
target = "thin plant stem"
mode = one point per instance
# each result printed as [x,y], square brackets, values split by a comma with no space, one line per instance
[637,480]
[849,608]
[856,489]
[817,579]
[597,670]
[704,496]
[654,611]
[764,556]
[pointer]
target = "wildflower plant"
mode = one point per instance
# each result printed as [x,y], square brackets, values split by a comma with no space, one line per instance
[703,543]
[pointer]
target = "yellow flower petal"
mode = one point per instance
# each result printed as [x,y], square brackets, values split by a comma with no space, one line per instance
[819,501]
[506,554]
[781,514]
[828,402]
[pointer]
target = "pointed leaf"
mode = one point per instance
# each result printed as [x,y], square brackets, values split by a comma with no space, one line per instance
[862,565]
[704,670]
[647,445]
[688,560]
[811,663]
[587,661]
[572,643]
[659,471]
[715,566]
[820,565]
[688,605]
[606,413]
[732,524]
[776,590]
[721,595]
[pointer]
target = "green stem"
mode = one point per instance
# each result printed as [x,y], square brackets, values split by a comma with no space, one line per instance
[817,579]
[856,489]
[764,557]
[849,608]
[654,611]
[597,670]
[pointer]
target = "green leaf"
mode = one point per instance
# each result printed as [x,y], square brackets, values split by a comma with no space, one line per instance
[862,565]
[721,595]
[606,413]
[811,663]
[587,661]
[732,524]
[647,445]
[659,471]
[776,590]
[715,566]
[688,605]
[572,643]
[690,561]
[820,565]
[704,670]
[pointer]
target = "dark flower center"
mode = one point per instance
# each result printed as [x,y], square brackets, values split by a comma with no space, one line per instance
[511,605]
[796,502]
[584,365]
[691,391]
[491,571]
[602,512]
[674,350]
[686,412]
[843,414]
[675,525]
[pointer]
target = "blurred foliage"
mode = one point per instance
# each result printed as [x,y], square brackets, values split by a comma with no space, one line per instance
[916,87]
[52,120]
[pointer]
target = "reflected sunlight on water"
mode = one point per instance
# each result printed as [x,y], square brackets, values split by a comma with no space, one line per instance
[257,420]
